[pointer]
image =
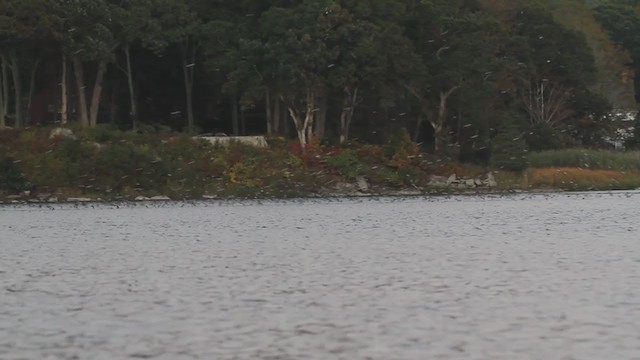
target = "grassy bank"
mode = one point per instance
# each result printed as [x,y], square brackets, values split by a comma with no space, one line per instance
[108,165]
[568,179]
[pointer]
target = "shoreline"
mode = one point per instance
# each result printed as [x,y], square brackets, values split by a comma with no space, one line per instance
[405,193]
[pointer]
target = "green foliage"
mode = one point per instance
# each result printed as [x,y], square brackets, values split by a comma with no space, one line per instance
[621,20]
[553,51]
[582,158]
[347,164]
[11,178]
[404,58]
[540,137]
[400,146]
[593,121]
[509,148]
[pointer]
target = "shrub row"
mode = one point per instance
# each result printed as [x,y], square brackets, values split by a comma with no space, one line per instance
[113,164]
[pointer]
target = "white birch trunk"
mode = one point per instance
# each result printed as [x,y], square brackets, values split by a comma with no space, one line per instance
[97,94]
[82,96]
[348,109]
[303,120]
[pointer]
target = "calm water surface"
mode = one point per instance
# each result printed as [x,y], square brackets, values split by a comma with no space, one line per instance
[482,277]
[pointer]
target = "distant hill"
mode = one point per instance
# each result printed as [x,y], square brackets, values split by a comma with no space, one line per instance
[615,77]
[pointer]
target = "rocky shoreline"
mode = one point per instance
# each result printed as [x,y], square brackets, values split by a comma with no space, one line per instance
[438,186]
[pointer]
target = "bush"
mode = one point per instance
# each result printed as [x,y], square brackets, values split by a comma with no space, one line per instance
[509,150]
[347,164]
[542,137]
[11,178]
[400,145]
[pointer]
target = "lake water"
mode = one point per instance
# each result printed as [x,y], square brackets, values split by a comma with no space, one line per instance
[553,276]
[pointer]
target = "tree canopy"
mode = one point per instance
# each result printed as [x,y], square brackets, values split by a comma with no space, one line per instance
[455,73]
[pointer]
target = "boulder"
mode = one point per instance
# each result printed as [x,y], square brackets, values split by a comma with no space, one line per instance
[344,187]
[452,179]
[78,199]
[362,183]
[43,196]
[438,180]
[491,180]
[160,198]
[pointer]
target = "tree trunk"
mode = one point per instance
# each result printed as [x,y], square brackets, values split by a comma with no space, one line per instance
[4,92]
[243,124]
[17,87]
[97,94]
[419,121]
[438,125]
[82,96]
[272,111]
[299,124]
[349,106]
[64,96]
[276,115]
[268,111]
[546,103]
[235,119]
[188,65]
[113,104]
[133,108]
[321,116]
[32,87]
[303,121]
[284,120]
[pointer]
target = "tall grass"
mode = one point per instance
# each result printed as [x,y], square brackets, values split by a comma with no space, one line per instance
[581,179]
[589,159]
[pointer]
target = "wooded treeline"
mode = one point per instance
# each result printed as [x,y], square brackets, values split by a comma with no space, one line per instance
[454,74]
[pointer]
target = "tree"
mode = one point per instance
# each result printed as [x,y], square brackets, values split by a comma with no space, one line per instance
[234,53]
[179,26]
[297,38]
[369,40]
[621,20]
[87,37]
[461,48]
[554,61]
[134,24]
[509,149]
[23,25]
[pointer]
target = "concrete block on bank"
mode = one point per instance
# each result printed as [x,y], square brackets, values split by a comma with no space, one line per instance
[62,132]
[257,141]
